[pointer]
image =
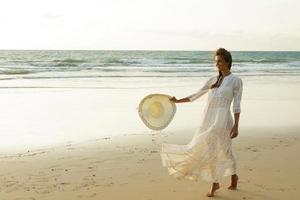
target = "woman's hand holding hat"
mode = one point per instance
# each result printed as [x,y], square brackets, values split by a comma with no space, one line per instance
[173,99]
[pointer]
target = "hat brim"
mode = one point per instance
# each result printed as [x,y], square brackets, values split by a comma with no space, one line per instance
[157,111]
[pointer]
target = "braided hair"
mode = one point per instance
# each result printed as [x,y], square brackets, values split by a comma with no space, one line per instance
[227,57]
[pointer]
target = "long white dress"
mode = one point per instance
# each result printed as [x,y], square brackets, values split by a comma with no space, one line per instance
[209,154]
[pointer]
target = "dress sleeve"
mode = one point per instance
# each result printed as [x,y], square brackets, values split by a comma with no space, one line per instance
[200,92]
[237,95]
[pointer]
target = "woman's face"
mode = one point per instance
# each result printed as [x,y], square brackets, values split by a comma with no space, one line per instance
[221,64]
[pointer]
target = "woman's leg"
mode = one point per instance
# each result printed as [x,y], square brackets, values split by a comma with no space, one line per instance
[234,177]
[214,187]
[234,180]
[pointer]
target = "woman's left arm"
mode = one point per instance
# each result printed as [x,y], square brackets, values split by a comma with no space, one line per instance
[237,96]
[235,129]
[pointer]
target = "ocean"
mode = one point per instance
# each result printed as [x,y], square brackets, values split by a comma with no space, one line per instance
[45,65]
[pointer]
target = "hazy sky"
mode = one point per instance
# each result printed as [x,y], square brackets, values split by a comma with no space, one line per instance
[150,24]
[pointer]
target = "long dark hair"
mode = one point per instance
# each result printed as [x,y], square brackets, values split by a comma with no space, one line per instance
[226,55]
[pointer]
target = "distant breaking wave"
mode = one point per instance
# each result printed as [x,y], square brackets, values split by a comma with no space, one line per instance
[69,61]
[15,71]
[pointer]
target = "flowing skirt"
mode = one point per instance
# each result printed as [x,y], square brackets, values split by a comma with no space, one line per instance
[209,154]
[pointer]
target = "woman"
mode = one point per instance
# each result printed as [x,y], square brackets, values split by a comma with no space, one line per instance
[208,155]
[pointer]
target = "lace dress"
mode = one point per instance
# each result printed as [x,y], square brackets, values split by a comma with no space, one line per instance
[208,155]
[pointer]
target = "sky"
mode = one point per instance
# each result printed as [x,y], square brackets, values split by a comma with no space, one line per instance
[150,24]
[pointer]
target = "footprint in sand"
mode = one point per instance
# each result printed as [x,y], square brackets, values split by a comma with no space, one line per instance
[253,149]
[244,198]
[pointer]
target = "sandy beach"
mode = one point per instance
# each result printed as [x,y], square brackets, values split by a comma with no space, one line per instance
[129,167]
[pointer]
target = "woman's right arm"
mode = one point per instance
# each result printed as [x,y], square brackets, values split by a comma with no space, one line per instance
[194,96]
[183,100]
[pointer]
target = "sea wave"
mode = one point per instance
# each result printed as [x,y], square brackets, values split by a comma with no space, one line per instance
[76,64]
[15,71]
[69,61]
[255,61]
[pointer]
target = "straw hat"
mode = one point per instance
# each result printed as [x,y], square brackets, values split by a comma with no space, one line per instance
[157,111]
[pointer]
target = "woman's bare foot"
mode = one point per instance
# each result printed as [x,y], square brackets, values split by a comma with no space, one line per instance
[234,180]
[214,187]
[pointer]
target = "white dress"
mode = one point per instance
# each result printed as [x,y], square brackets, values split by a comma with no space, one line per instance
[208,155]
